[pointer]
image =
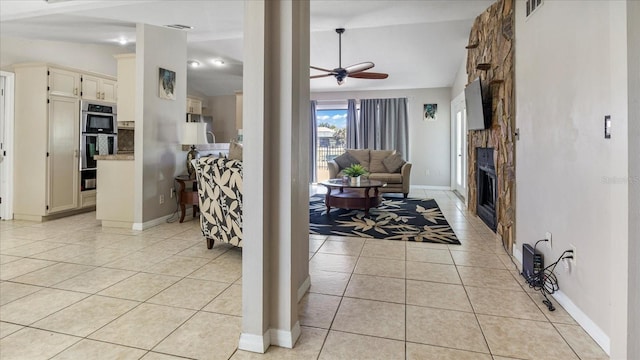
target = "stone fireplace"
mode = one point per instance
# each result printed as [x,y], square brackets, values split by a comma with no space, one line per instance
[491,190]
[487,194]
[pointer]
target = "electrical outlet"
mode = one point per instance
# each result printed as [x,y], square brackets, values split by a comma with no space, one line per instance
[172,193]
[573,261]
[547,236]
[161,199]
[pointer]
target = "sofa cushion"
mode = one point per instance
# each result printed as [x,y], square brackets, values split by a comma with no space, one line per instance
[395,178]
[376,157]
[345,160]
[362,155]
[393,163]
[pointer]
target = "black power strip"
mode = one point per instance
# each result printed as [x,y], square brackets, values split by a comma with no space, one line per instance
[532,263]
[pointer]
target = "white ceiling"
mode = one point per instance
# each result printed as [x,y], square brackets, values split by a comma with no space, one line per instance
[419,43]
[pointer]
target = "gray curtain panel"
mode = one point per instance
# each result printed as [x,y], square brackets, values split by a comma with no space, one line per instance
[368,122]
[313,141]
[384,125]
[352,125]
[394,125]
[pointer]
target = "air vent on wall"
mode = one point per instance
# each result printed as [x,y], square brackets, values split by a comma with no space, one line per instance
[180,27]
[533,5]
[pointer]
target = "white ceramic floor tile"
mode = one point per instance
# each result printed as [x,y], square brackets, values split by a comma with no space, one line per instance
[90,349]
[34,344]
[143,327]
[204,336]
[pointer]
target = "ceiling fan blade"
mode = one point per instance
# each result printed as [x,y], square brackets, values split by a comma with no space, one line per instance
[319,76]
[321,69]
[356,68]
[369,75]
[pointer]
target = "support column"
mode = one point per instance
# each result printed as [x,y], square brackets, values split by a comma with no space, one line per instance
[275,171]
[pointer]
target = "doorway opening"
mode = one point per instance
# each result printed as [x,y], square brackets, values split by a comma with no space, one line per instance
[459,147]
[6,145]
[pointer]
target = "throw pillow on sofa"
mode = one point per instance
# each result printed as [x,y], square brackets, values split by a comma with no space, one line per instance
[345,160]
[393,162]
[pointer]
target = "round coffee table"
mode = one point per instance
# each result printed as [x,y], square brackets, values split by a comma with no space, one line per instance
[352,196]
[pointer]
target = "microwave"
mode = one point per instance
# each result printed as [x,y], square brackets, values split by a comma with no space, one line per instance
[98,118]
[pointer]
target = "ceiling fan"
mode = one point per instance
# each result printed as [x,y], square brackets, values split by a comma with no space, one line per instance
[355,71]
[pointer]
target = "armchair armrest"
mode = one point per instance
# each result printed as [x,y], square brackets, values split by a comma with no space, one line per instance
[406,178]
[334,169]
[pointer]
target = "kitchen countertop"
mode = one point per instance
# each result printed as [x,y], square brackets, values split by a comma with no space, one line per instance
[121,156]
[208,147]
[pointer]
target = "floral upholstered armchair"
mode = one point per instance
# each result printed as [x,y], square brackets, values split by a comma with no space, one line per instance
[220,199]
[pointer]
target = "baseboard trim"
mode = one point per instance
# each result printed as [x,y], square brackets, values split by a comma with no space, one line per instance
[304,287]
[599,336]
[255,343]
[428,187]
[118,224]
[285,339]
[151,223]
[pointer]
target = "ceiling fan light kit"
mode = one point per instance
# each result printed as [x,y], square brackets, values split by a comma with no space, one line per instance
[341,74]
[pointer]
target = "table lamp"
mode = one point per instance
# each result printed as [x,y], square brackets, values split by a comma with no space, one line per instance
[193,133]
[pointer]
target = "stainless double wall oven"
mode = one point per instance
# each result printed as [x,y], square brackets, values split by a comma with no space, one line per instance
[99,136]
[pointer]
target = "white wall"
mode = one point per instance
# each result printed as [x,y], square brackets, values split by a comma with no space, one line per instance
[159,156]
[429,142]
[633,64]
[460,82]
[94,58]
[566,170]
[223,111]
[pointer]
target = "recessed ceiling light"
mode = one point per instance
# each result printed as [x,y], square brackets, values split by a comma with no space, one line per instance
[218,62]
[180,26]
[193,63]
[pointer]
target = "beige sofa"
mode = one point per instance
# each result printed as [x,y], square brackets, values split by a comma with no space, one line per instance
[373,161]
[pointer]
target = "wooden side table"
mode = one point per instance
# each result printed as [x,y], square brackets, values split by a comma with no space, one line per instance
[187,195]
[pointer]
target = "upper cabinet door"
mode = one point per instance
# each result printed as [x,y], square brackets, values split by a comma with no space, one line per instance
[64,83]
[95,88]
[90,87]
[109,90]
[194,106]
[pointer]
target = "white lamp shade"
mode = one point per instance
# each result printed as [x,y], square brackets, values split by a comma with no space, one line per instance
[194,133]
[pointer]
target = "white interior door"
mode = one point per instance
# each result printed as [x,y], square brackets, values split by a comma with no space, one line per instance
[459,113]
[6,145]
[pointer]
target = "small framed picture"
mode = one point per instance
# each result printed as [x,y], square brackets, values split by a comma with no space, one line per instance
[167,84]
[430,111]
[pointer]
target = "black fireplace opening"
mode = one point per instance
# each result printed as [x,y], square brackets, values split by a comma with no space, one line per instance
[487,196]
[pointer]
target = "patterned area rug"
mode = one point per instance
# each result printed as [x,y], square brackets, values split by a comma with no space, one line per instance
[394,219]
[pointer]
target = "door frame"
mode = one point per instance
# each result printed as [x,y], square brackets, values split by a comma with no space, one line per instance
[6,166]
[456,104]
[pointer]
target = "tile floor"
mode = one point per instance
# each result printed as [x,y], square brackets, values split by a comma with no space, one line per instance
[72,290]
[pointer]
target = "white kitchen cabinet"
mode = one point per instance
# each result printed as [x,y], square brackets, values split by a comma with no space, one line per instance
[98,88]
[126,87]
[63,83]
[62,167]
[46,142]
[87,198]
[115,194]
[194,106]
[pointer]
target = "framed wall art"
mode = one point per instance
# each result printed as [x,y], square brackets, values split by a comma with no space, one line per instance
[430,111]
[167,84]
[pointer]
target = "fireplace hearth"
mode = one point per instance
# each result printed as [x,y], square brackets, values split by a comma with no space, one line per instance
[487,187]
